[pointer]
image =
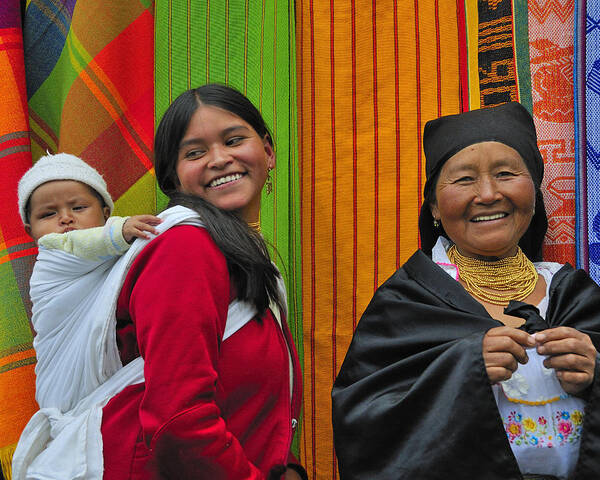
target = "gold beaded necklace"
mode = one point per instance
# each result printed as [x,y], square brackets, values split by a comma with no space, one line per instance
[498,282]
[255,226]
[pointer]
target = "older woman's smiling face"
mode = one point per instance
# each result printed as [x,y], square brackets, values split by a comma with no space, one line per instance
[485,200]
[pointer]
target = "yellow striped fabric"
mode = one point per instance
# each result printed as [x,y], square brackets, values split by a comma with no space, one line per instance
[370,74]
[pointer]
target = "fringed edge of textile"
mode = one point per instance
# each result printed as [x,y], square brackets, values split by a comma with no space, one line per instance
[6,454]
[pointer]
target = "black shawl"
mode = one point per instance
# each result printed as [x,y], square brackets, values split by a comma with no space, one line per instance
[412,399]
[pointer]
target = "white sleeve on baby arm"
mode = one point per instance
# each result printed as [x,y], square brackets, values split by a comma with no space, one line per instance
[97,243]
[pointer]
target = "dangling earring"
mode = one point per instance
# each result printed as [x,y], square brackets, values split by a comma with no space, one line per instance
[436,223]
[269,182]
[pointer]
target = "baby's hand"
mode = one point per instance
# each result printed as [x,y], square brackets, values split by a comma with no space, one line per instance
[134,227]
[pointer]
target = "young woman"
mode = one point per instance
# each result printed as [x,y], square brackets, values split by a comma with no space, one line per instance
[214,404]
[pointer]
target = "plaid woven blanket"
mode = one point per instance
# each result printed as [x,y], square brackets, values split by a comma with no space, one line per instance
[17,251]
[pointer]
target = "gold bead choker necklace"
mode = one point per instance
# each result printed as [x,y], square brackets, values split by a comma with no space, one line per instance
[497,282]
[255,226]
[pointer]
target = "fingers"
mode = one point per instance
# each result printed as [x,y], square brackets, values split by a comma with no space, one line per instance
[557,333]
[580,346]
[571,362]
[505,345]
[138,225]
[139,229]
[500,366]
[498,374]
[147,219]
[510,340]
[145,227]
[574,382]
[563,341]
[571,354]
[503,360]
[503,349]
[519,336]
[135,232]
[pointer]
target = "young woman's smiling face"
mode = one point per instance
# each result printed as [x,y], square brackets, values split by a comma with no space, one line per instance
[485,200]
[224,161]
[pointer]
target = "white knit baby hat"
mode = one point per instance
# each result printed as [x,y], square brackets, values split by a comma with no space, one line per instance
[62,166]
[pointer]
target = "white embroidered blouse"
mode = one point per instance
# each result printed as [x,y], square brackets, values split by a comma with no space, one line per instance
[543,423]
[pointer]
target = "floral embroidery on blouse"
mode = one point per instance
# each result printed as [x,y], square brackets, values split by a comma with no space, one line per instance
[564,427]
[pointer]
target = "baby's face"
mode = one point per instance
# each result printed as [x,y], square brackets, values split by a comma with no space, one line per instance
[60,206]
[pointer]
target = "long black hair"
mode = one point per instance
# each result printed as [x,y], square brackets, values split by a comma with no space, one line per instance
[254,275]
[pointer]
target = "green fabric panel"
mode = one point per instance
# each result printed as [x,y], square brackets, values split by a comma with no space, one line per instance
[146,3]
[236,51]
[250,46]
[522,52]
[14,326]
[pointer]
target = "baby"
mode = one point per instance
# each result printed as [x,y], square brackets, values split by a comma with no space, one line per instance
[64,204]
[66,208]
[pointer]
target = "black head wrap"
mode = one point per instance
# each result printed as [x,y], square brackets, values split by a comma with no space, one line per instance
[510,124]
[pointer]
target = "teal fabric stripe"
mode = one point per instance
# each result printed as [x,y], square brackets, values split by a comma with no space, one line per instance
[521,22]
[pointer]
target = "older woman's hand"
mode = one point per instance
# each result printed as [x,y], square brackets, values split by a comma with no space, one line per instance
[503,350]
[571,353]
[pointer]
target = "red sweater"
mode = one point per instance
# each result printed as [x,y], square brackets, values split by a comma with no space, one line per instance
[208,409]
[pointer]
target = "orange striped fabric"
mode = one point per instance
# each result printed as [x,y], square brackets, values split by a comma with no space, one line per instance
[370,74]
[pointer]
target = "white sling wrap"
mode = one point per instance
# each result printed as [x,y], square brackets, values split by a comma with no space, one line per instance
[79,369]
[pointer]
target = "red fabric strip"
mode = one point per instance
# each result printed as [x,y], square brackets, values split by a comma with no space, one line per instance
[376,153]
[334,273]
[418,85]
[463,55]
[313,294]
[354,166]
[397,121]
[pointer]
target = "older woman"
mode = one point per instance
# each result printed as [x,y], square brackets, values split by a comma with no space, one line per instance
[471,361]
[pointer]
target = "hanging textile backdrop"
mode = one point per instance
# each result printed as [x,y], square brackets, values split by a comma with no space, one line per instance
[589,42]
[91,94]
[346,88]
[17,357]
[519,50]
[250,46]
[368,80]
[551,36]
